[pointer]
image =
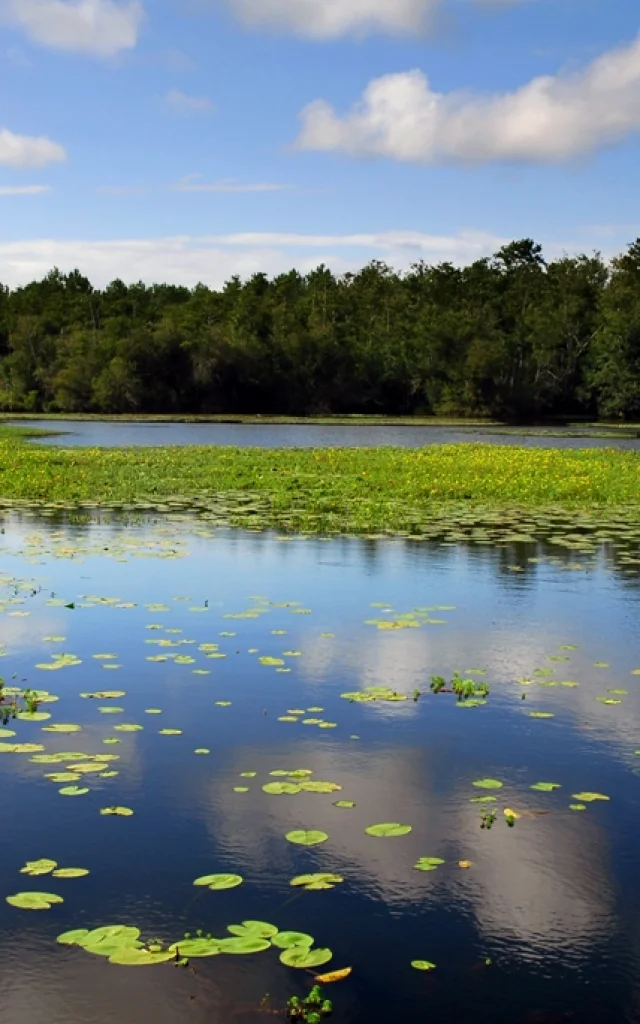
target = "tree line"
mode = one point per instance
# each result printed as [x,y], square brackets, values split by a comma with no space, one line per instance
[511,336]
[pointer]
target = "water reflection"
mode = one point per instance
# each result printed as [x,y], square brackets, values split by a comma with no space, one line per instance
[552,902]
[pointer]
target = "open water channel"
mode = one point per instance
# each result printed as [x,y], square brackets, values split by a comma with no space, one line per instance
[114,434]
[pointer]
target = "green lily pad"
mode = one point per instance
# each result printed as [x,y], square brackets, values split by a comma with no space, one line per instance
[344,803]
[170,732]
[219,881]
[244,945]
[125,933]
[302,956]
[70,872]
[388,830]
[319,787]
[487,784]
[324,880]
[196,947]
[540,714]
[259,929]
[281,788]
[128,727]
[545,787]
[423,965]
[588,798]
[131,957]
[34,900]
[44,866]
[428,863]
[304,837]
[121,812]
[577,807]
[73,791]
[289,940]
[72,938]
[62,727]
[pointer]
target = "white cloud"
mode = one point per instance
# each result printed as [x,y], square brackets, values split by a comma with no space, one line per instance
[329,19]
[190,184]
[28,151]
[181,103]
[214,259]
[99,27]
[24,190]
[548,120]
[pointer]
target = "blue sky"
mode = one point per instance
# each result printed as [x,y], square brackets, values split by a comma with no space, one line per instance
[188,140]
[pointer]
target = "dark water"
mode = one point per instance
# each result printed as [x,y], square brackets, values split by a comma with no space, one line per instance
[553,902]
[264,435]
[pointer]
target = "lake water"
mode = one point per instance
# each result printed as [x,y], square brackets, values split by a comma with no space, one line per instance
[109,434]
[553,902]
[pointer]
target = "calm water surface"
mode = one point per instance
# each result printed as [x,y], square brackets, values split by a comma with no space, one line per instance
[246,435]
[553,902]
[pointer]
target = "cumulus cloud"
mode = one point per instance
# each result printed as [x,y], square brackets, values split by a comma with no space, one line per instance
[214,259]
[99,27]
[181,103]
[28,151]
[24,190]
[330,19]
[551,119]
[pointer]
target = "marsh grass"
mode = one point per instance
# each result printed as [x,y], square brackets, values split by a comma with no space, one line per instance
[329,489]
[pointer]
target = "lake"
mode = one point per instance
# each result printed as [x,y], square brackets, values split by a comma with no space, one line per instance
[110,434]
[244,644]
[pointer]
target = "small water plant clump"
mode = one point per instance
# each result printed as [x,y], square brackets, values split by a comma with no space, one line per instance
[16,702]
[310,1010]
[466,690]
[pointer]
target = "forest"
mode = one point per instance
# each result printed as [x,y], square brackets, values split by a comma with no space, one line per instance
[511,336]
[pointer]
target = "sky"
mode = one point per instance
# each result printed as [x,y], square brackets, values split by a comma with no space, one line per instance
[191,140]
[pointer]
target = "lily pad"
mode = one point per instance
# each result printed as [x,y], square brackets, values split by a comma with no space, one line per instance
[302,956]
[121,812]
[588,798]
[428,863]
[281,788]
[244,945]
[34,900]
[487,784]
[131,957]
[289,940]
[388,830]
[196,947]
[319,880]
[72,938]
[73,791]
[423,965]
[219,881]
[545,787]
[261,929]
[39,867]
[70,872]
[309,837]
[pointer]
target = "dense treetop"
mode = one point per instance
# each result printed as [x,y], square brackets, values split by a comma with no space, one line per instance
[511,336]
